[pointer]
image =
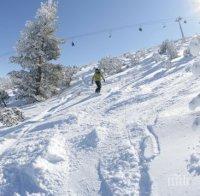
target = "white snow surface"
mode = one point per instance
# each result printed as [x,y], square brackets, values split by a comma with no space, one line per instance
[138,137]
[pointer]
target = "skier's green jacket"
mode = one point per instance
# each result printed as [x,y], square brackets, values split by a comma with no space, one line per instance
[97,77]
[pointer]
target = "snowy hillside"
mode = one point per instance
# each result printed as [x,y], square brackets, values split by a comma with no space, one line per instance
[136,138]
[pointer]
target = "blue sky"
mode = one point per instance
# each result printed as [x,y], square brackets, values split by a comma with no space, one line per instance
[78,17]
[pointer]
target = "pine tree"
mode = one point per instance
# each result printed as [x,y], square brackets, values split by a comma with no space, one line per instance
[5,83]
[38,43]
[25,83]
[52,75]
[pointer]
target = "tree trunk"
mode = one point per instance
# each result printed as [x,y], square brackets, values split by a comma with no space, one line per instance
[39,77]
[4,103]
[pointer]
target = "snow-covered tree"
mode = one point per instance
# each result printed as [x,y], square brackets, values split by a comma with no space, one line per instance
[110,65]
[5,83]
[3,97]
[25,83]
[11,116]
[168,48]
[51,79]
[38,44]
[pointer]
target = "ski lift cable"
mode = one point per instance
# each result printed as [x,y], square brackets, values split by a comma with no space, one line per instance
[114,29]
[120,28]
[163,22]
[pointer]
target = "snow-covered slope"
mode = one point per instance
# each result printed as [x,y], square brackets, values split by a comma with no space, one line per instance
[136,138]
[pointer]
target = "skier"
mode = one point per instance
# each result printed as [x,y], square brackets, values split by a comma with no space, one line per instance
[97,77]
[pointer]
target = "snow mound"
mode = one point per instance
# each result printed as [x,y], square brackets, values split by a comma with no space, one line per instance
[194,46]
[45,175]
[56,151]
[195,68]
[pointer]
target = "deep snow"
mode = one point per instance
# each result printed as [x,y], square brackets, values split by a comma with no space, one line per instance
[136,138]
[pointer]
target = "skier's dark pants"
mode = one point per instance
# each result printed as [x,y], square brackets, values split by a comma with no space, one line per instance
[98,83]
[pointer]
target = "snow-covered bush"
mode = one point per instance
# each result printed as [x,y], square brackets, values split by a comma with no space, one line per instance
[186,52]
[168,48]
[163,47]
[134,58]
[142,53]
[110,65]
[10,116]
[127,55]
[194,46]
[68,75]
[38,45]
[3,97]
[171,51]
